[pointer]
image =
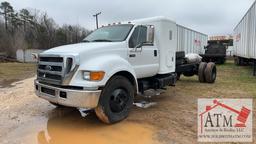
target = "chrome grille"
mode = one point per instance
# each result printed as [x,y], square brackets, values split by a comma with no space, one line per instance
[51,59]
[51,69]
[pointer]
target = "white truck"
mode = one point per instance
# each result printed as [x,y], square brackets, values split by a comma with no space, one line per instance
[114,64]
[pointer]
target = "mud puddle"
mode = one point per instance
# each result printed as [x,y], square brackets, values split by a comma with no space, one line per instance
[64,126]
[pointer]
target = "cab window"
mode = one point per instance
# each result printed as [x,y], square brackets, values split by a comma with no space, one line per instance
[138,37]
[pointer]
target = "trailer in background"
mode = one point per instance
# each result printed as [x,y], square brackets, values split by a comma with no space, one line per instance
[190,41]
[245,39]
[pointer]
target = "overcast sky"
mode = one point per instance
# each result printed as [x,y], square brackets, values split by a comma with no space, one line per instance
[213,17]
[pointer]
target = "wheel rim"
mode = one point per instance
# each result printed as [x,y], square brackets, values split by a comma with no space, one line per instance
[118,100]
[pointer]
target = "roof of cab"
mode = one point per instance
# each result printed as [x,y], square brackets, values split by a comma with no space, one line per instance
[151,19]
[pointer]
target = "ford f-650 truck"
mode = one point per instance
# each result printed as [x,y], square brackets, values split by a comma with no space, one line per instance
[114,64]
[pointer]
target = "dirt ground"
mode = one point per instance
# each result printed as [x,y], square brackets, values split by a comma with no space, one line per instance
[24,118]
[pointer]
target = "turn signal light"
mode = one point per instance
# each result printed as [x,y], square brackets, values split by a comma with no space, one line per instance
[97,76]
[93,75]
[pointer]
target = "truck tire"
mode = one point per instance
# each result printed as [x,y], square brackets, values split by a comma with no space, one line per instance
[210,73]
[116,100]
[201,69]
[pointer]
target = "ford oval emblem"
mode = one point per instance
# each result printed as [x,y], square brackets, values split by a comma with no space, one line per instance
[49,68]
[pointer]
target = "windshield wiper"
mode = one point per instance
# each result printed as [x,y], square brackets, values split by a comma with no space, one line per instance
[102,40]
[86,41]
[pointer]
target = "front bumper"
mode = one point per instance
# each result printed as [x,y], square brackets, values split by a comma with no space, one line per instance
[68,97]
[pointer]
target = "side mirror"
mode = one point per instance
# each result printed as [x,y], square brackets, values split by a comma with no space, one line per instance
[150,34]
[35,57]
[139,45]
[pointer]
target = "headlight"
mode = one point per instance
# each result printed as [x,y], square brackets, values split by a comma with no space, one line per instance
[93,75]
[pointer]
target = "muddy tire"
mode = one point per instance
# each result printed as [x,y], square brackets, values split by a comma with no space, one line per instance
[210,73]
[201,69]
[116,100]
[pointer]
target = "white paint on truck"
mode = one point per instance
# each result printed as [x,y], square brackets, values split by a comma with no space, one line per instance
[165,42]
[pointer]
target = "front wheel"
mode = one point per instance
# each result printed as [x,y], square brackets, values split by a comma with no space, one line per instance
[116,100]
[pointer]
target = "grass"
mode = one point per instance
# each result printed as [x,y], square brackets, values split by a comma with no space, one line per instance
[240,77]
[232,81]
[11,72]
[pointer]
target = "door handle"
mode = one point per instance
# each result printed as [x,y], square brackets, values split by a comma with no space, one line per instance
[132,55]
[155,53]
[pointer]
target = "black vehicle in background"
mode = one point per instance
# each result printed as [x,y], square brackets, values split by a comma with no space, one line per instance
[216,51]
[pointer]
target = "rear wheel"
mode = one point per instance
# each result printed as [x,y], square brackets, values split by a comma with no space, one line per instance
[116,100]
[210,73]
[201,69]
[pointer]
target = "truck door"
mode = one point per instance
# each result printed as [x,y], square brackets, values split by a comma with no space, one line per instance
[143,54]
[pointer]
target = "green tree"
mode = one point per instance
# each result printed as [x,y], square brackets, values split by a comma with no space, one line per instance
[25,17]
[15,21]
[6,11]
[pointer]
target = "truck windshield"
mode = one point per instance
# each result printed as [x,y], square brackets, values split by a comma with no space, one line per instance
[115,33]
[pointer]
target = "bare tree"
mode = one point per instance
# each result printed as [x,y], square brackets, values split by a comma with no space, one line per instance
[30,28]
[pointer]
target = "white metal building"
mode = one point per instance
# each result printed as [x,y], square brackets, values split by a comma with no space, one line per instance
[26,55]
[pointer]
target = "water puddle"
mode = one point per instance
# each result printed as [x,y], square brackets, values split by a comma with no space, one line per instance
[68,127]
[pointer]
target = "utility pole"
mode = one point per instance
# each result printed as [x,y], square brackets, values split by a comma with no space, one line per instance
[96,16]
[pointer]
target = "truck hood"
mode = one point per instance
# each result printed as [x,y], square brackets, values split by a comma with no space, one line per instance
[82,47]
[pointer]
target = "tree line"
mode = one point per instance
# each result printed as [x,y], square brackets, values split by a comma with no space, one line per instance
[33,29]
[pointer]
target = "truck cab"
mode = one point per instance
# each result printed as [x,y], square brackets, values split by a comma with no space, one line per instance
[110,67]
